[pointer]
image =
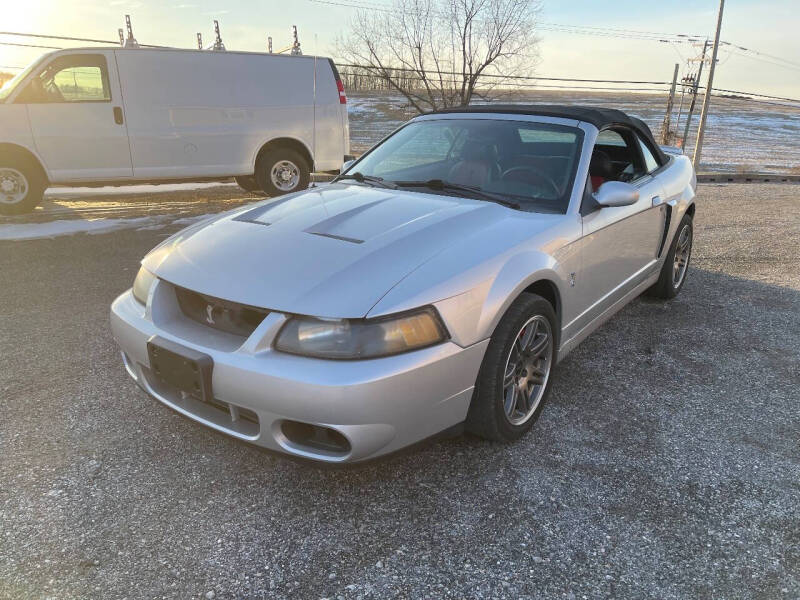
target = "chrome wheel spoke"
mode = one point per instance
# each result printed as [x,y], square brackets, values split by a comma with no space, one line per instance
[683,248]
[510,375]
[510,400]
[539,346]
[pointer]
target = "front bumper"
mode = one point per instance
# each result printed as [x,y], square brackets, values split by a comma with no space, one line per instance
[378,406]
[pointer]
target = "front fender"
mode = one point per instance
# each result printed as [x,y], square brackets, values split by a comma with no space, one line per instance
[473,316]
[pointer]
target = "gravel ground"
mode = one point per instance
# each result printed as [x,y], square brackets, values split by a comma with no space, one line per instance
[665,466]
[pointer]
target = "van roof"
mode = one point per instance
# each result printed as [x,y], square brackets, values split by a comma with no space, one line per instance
[170,49]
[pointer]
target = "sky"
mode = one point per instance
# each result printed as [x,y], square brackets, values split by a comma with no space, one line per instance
[770,27]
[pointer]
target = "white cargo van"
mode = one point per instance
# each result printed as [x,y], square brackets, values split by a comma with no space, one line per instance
[92,116]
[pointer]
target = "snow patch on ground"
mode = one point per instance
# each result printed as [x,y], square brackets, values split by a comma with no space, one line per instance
[33,231]
[59,192]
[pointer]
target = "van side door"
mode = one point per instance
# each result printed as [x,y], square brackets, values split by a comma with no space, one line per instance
[75,109]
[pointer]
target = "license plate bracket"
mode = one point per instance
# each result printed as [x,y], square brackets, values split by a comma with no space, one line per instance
[182,368]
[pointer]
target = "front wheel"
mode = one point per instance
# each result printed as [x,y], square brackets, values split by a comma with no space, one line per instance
[21,186]
[515,376]
[676,263]
[282,171]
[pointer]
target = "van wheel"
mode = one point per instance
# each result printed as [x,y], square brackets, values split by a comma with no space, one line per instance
[248,184]
[282,171]
[21,186]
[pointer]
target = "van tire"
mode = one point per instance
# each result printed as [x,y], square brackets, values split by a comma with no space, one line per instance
[282,165]
[248,183]
[21,171]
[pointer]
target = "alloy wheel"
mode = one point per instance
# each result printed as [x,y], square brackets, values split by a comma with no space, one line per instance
[527,370]
[683,250]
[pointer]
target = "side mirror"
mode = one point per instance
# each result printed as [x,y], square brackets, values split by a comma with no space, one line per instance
[616,193]
[346,166]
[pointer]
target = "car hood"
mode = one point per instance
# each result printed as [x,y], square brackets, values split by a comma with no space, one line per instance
[333,251]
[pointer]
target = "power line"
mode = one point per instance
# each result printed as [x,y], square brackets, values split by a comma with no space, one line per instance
[31,46]
[67,38]
[785,65]
[613,32]
[509,77]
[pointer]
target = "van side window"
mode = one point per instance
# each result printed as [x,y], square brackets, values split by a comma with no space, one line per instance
[649,160]
[68,79]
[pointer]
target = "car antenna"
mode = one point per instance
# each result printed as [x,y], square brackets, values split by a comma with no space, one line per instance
[218,45]
[130,42]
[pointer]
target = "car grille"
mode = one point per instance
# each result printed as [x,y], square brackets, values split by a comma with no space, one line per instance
[222,315]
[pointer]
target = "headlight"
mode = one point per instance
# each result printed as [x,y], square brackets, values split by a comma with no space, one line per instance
[361,338]
[142,284]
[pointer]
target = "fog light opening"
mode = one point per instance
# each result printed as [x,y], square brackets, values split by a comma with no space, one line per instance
[315,438]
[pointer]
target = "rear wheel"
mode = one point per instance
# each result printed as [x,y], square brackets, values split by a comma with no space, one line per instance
[248,183]
[514,380]
[282,171]
[676,263]
[21,186]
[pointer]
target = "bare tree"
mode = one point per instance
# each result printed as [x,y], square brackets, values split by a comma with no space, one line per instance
[442,53]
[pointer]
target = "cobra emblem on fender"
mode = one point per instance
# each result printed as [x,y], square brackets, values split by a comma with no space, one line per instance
[210,314]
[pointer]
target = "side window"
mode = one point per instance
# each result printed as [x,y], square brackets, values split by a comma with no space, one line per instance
[614,158]
[71,78]
[609,137]
[649,160]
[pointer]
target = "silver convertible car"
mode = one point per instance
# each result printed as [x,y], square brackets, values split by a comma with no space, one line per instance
[432,287]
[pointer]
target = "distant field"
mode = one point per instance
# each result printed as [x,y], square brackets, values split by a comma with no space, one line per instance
[741,135]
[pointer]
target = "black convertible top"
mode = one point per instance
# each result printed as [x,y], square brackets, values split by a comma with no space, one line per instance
[599,117]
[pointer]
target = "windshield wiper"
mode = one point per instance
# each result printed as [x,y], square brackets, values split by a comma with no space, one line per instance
[439,184]
[361,178]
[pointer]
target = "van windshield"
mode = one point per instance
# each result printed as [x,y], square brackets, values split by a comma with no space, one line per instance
[12,83]
[527,163]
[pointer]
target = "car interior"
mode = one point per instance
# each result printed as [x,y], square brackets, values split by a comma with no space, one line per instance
[616,157]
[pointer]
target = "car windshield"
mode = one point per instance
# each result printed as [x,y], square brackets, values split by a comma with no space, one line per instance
[525,163]
[12,83]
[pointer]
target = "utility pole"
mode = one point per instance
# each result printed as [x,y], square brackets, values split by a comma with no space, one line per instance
[666,134]
[702,60]
[698,147]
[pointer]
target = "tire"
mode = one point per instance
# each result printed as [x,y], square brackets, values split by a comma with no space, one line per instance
[271,166]
[489,416]
[671,280]
[248,183]
[21,185]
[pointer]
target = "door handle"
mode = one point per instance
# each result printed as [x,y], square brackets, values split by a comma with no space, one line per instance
[118,115]
[657,201]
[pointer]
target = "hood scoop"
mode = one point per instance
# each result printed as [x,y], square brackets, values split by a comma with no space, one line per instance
[333,236]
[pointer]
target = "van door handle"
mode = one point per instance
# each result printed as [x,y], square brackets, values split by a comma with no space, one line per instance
[657,200]
[118,115]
